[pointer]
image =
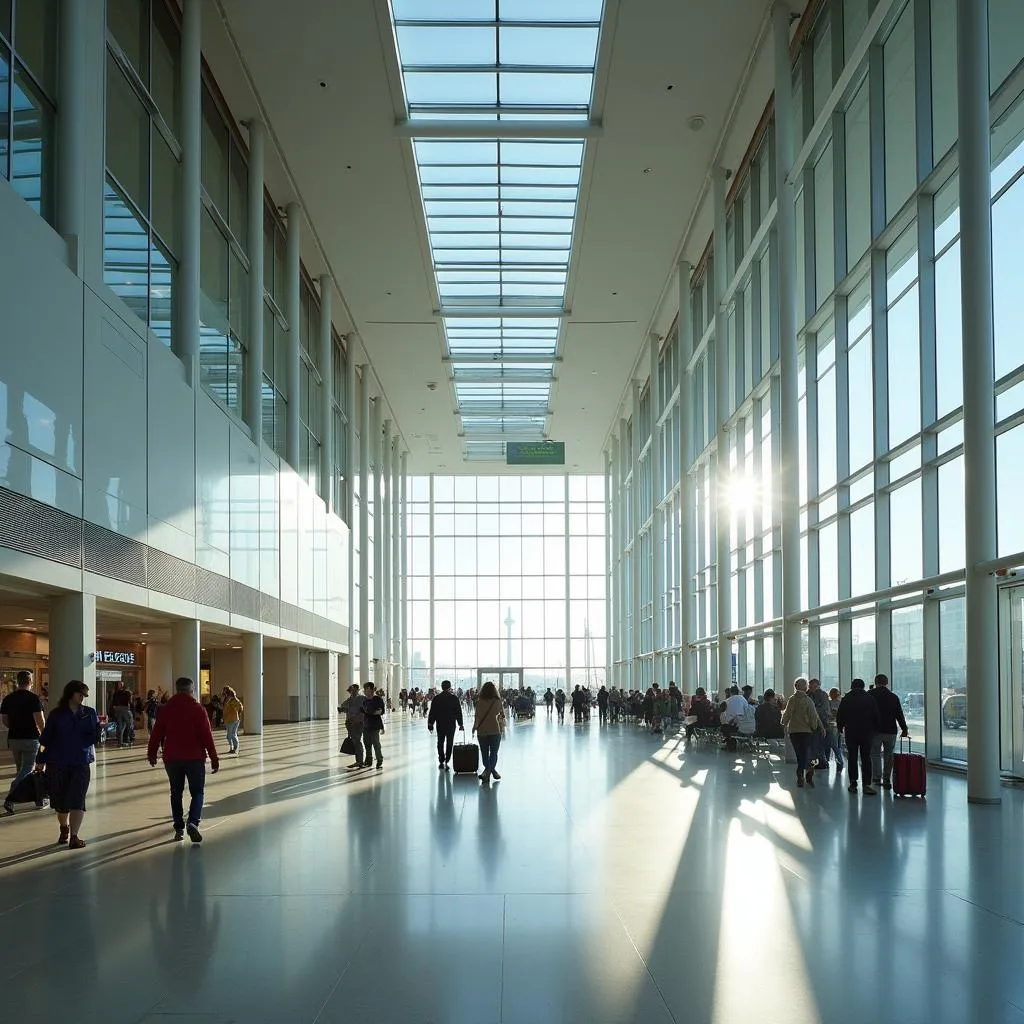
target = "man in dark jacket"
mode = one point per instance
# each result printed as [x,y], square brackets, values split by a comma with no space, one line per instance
[446,714]
[890,716]
[373,724]
[183,729]
[858,718]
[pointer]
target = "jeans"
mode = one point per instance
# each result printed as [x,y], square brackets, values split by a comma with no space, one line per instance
[125,721]
[24,752]
[802,748]
[858,749]
[489,750]
[232,730]
[883,746]
[194,772]
[445,741]
[371,741]
[834,745]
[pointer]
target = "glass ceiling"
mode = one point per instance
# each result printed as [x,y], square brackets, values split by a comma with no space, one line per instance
[500,211]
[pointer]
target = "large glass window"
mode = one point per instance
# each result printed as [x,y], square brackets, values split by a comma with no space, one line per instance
[309,386]
[142,201]
[28,99]
[904,339]
[953,671]
[275,335]
[900,121]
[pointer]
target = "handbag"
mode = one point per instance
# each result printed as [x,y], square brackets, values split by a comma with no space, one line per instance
[348,745]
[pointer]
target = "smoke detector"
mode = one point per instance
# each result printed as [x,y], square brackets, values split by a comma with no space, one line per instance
[431,385]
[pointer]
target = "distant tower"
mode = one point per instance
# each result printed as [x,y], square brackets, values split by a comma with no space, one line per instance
[509,623]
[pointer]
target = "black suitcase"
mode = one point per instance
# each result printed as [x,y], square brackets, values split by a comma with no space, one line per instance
[465,758]
[31,790]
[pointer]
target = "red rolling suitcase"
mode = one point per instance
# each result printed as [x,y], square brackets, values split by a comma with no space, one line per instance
[909,776]
[465,757]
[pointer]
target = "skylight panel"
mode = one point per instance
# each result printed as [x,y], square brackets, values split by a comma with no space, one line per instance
[444,45]
[557,47]
[546,10]
[479,88]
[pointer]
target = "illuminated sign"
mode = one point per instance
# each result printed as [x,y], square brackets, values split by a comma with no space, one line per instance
[115,657]
[535,453]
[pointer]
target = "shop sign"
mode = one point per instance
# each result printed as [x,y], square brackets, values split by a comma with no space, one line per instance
[115,657]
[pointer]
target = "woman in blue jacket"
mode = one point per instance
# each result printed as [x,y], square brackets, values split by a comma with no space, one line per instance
[66,748]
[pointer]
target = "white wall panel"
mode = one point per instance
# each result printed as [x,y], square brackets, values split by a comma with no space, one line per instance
[115,457]
[245,508]
[37,479]
[213,491]
[289,489]
[172,455]
[270,526]
[41,348]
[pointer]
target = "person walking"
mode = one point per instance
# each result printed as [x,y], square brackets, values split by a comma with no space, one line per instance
[602,706]
[121,705]
[152,706]
[802,723]
[22,715]
[560,706]
[446,714]
[67,746]
[857,719]
[183,729]
[233,709]
[883,744]
[488,725]
[834,741]
[353,711]
[373,724]
[820,748]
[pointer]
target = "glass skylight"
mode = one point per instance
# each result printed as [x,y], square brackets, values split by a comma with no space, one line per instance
[500,211]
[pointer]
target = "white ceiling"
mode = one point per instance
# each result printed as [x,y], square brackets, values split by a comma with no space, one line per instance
[354,175]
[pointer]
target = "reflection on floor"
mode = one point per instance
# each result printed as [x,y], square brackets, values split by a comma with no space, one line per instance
[610,877]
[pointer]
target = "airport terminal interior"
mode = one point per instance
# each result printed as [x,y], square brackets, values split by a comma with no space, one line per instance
[569,346]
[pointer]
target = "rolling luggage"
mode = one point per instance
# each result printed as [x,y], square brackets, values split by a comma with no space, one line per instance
[465,758]
[908,774]
[32,790]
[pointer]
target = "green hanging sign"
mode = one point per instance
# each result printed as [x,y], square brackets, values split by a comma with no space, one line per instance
[535,453]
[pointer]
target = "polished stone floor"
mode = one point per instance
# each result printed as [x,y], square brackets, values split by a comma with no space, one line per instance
[610,877]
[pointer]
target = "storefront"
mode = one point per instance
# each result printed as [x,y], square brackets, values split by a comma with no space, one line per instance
[119,663]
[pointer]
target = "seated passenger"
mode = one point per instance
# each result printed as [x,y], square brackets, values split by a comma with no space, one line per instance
[768,717]
[703,710]
[738,716]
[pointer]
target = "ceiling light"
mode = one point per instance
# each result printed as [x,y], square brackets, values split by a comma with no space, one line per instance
[30,620]
[696,122]
[143,634]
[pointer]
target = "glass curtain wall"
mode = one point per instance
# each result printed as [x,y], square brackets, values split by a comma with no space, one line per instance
[880,378]
[507,571]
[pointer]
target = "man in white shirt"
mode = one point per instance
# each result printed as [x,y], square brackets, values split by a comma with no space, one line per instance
[738,716]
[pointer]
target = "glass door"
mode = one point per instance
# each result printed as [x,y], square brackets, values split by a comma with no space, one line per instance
[1011,620]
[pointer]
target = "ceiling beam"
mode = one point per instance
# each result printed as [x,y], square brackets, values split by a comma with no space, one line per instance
[505,312]
[483,359]
[494,129]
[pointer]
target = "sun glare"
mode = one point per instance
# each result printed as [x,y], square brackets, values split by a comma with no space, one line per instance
[742,493]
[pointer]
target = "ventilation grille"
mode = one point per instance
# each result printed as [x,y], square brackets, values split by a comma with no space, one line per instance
[171,575]
[110,554]
[245,600]
[213,590]
[39,529]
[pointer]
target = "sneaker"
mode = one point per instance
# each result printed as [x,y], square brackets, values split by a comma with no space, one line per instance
[870,791]
[353,767]
[495,775]
[853,788]
[193,833]
[380,765]
[74,843]
[179,834]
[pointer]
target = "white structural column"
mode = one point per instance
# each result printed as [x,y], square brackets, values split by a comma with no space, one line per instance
[385,578]
[377,451]
[185,650]
[974,147]
[365,432]
[637,602]
[326,425]
[403,570]
[609,561]
[186,338]
[293,302]
[254,355]
[433,666]
[252,682]
[396,565]
[349,511]
[686,553]
[568,583]
[723,513]
[81,28]
[657,530]
[787,486]
[72,644]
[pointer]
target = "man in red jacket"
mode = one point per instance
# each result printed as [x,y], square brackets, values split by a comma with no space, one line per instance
[183,727]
